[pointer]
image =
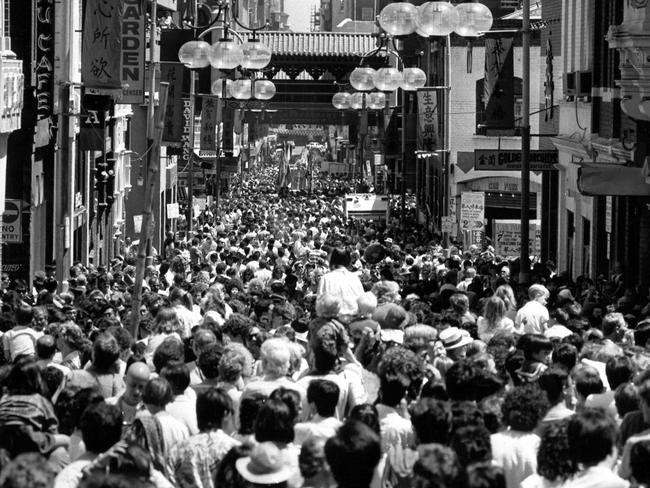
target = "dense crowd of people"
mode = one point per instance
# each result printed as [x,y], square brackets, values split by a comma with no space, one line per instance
[285,345]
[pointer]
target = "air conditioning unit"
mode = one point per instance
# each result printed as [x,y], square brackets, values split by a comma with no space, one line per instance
[583,85]
[569,84]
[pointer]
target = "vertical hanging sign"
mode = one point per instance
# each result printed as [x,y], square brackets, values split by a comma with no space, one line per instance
[44,70]
[428,134]
[101,46]
[210,107]
[133,52]
[172,73]
[498,86]
[187,130]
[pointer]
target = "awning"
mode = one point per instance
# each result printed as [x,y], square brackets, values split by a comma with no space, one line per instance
[612,180]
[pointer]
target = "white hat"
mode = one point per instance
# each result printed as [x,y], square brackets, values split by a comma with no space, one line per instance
[453,338]
[265,466]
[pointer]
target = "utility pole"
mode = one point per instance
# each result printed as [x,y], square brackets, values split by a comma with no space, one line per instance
[524,257]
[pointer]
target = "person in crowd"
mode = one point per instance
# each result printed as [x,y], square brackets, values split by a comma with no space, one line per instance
[72,343]
[493,319]
[183,405]
[342,283]
[352,455]
[515,449]
[322,398]
[97,418]
[21,339]
[201,338]
[195,460]
[130,401]
[554,465]
[533,317]
[593,447]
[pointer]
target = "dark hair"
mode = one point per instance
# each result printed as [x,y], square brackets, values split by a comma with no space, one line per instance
[484,475]
[565,356]
[340,257]
[626,399]
[52,379]
[274,423]
[639,466]
[212,407]
[25,378]
[157,392]
[249,407]
[101,426]
[619,370]
[289,396]
[472,444]
[353,454]
[592,436]
[46,346]
[28,470]
[106,351]
[534,344]
[238,325]
[123,336]
[171,349]
[367,414]
[324,394]
[553,456]
[524,406]
[24,314]
[437,467]
[553,381]
[178,376]
[460,380]
[431,421]
[400,373]
[587,381]
[209,359]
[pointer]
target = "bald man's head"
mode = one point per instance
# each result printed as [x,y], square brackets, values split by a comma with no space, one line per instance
[136,378]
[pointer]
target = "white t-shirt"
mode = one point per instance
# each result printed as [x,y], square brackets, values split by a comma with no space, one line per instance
[20,340]
[516,453]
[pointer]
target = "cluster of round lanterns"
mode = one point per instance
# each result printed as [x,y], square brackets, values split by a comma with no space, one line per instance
[402,19]
[226,54]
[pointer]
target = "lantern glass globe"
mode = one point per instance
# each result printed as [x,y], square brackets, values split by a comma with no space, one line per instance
[388,79]
[225,54]
[398,19]
[414,78]
[473,19]
[194,54]
[361,79]
[264,89]
[341,100]
[241,89]
[256,55]
[218,85]
[357,100]
[436,19]
[376,100]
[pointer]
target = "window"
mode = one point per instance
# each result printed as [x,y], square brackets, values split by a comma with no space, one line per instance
[367,13]
[480,107]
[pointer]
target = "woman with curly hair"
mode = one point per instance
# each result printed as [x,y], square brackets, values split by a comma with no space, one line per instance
[554,465]
[74,347]
[166,324]
[400,374]
[494,319]
[515,449]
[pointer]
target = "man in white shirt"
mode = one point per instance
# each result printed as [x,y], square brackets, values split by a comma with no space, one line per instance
[533,317]
[322,398]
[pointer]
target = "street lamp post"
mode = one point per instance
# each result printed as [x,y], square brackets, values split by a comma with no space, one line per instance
[225,55]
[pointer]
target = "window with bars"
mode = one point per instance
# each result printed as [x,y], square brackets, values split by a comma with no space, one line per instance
[367,13]
[5,17]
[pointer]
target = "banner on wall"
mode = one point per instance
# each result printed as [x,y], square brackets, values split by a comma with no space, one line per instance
[472,210]
[209,111]
[498,84]
[507,237]
[102,44]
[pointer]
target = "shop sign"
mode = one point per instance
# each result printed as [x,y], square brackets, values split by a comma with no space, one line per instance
[133,52]
[507,237]
[510,160]
[101,46]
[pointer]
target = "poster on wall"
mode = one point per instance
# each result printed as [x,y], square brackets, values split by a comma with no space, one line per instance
[506,237]
[472,210]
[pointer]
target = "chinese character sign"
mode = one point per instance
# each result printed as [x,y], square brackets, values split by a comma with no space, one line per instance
[507,238]
[209,123]
[428,124]
[472,210]
[101,48]
[172,73]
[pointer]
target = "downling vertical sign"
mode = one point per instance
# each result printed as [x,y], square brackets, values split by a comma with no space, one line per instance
[133,52]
